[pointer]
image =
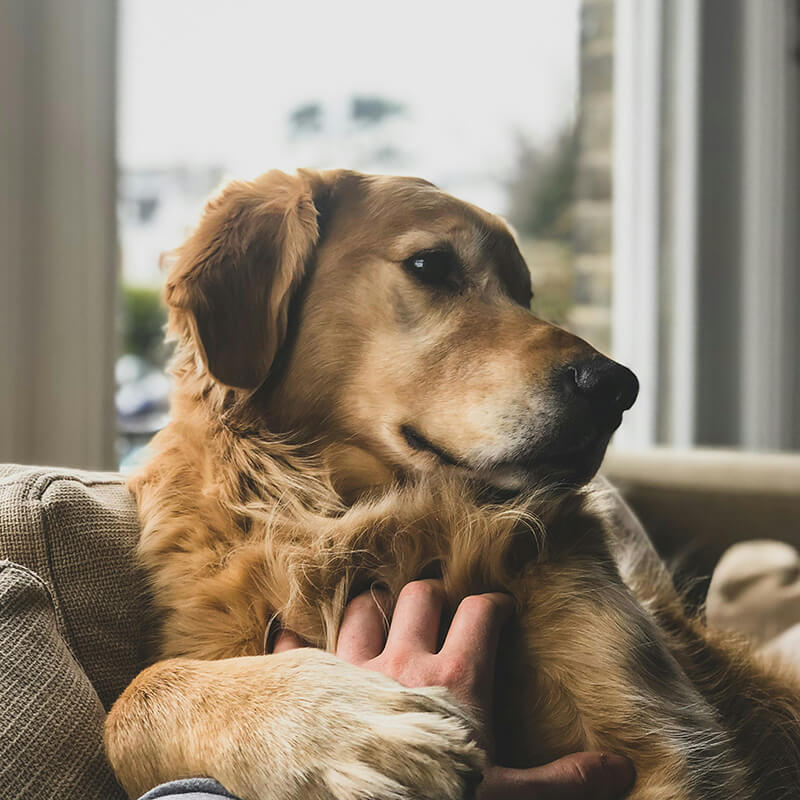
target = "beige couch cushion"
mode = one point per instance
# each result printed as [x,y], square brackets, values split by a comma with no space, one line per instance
[755,590]
[73,620]
[77,531]
[51,719]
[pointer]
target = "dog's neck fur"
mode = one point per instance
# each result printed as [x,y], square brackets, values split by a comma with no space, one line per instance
[250,470]
[250,421]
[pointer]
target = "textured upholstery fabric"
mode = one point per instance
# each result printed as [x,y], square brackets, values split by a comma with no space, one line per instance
[51,718]
[755,590]
[74,615]
[77,532]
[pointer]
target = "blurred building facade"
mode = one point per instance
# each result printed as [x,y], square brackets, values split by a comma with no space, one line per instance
[590,317]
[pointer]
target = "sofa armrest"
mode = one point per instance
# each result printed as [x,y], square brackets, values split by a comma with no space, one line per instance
[699,502]
[77,531]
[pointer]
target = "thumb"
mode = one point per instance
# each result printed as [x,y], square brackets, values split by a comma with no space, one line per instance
[579,776]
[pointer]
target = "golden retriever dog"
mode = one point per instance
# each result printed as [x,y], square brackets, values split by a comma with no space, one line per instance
[363,396]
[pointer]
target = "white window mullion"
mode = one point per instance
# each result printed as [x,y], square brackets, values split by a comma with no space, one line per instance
[765,387]
[681,392]
[637,160]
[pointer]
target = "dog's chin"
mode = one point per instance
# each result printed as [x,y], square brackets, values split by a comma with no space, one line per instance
[570,468]
[536,469]
[548,473]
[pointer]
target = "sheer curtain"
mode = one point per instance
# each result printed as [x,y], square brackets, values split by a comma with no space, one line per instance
[57,232]
[706,182]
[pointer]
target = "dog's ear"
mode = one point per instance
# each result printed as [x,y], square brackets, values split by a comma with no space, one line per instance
[233,280]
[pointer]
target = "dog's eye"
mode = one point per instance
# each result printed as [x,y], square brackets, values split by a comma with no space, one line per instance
[434,267]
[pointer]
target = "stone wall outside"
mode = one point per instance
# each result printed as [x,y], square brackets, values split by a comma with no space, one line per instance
[590,315]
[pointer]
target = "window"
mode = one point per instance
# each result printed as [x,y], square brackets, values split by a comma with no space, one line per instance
[646,150]
[706,197]
[639,148]
[482,104]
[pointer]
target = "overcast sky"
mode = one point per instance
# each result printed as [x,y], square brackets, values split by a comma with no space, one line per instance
[209,82]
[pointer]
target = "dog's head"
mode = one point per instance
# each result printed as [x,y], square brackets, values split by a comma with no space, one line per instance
[390,320]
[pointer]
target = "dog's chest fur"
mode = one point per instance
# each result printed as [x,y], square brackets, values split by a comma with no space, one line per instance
[221,580]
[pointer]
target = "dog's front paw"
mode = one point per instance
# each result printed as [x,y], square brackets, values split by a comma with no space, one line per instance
[410,744]
[359,734]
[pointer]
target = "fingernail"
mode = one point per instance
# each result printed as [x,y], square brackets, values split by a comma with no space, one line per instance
[271,631]
[619,771]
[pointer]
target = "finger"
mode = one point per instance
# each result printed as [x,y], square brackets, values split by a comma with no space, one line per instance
[580,776]
[362,634]
[287,640]
[417,617]
[586,776]
[476,628]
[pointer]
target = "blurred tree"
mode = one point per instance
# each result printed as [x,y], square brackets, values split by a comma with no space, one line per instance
[143,319]
[372,109]
[306,118]
[359,137]
[541,192]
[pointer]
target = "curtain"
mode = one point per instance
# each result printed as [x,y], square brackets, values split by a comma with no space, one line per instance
[58,244]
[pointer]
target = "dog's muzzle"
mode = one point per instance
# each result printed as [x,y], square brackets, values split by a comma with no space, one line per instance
[587,398]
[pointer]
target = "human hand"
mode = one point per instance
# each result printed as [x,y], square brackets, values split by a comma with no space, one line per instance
[465,666]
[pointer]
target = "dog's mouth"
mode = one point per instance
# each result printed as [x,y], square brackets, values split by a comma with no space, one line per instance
[416,441]
[573,465]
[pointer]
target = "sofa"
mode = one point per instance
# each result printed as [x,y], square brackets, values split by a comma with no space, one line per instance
[73,625]
[75,615]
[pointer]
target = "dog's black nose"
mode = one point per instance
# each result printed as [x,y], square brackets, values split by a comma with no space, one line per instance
[607,385]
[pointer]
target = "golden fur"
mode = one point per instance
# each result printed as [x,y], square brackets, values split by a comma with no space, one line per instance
[283,485]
